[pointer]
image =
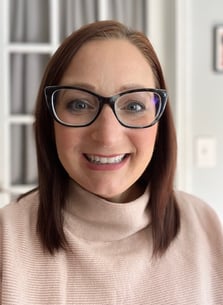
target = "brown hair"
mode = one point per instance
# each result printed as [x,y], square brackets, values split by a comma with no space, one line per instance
[53,179]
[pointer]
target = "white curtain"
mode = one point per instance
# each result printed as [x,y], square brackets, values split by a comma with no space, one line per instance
[29,23]
[78,12]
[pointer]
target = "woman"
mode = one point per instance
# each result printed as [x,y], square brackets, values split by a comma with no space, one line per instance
[105,225]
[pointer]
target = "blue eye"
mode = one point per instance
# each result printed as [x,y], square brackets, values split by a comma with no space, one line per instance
[135,107]
[78,105]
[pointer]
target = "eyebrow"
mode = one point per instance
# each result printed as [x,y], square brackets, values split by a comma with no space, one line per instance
[133,86]
[81,85]
[122,88]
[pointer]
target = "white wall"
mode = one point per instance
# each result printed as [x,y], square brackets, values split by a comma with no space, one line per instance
[183,39]
[205,118]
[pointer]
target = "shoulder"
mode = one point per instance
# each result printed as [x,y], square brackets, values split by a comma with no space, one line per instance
[199,218]
[20,213]
[194,205]
[27,203]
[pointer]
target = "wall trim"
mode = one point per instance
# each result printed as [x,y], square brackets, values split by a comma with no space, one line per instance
[183,93]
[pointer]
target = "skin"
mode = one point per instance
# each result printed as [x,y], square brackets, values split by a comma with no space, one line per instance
[107,67]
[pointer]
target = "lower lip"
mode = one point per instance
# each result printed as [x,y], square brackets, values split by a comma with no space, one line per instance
[107,166]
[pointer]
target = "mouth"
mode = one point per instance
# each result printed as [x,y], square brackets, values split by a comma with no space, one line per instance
[106,160]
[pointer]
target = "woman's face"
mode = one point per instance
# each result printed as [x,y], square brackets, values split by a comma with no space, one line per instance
[107,67]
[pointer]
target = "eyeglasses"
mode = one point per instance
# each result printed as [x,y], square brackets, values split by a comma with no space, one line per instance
[78,107]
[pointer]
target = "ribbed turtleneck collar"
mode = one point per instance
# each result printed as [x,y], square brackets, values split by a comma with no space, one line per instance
[93,218]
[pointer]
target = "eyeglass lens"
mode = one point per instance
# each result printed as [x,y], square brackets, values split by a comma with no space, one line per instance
[76,107]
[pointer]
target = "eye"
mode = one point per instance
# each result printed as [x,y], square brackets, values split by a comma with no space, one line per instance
[78,105]
[134,106]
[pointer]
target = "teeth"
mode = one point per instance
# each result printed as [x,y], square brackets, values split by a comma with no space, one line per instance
[105,160]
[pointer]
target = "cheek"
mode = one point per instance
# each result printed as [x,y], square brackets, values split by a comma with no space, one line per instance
[61,138]
[145,142]
[65,138]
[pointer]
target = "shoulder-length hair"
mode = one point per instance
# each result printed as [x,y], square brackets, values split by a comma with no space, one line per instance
[53,179]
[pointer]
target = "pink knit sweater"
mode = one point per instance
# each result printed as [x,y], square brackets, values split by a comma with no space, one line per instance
[109,257]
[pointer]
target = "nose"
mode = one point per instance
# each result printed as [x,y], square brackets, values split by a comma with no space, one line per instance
[106,130]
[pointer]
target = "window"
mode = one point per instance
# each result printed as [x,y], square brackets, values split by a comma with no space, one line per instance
[33,30]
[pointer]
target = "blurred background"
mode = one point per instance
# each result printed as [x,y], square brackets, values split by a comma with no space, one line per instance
[188,38]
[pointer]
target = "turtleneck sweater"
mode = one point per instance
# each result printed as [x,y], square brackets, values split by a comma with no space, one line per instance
[109,256]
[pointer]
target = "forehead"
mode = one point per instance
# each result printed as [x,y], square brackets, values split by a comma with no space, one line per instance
[113,48]
[109,61]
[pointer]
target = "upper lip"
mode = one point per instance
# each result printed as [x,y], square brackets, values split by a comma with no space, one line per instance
[104,156]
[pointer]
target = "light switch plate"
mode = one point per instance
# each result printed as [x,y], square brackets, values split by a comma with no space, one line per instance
[206,152]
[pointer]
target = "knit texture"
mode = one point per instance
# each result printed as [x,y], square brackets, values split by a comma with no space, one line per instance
[109,258]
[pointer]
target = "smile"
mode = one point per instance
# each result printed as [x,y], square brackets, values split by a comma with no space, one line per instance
[105,160]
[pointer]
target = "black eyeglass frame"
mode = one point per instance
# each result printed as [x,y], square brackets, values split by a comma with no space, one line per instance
[50,90]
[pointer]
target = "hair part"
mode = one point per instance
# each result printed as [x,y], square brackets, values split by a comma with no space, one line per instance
[53,179]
